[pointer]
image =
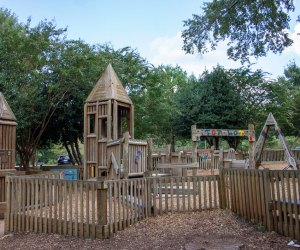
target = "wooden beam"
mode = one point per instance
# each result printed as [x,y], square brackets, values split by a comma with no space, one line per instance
[4,172]
[115,120]
[131,122]
[109,116]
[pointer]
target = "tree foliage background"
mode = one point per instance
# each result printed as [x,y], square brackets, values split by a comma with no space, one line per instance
[46,78]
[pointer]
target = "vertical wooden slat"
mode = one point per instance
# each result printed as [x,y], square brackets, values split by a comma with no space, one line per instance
[166,183]
[115,197]
[70,204]
[120,207]
[296,201]
[81,228]
[279,207]
[160,196]
[200,181]
[283,202]
[289,206]
[189,192]
[177,194]
[205,192]
[76,214]
[183,180]
[194,192]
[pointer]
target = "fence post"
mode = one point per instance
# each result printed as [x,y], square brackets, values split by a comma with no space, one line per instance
[267,194]
[221,187]
[102,206]
[149,158]
[8,204]
[126,154]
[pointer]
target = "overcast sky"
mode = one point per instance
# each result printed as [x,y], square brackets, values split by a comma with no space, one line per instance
[153,27]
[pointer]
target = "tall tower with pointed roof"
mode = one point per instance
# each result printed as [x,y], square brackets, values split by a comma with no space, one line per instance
[7,143]
[108,113]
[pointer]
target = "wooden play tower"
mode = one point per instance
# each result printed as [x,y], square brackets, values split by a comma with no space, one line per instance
[7,146]
[108,116]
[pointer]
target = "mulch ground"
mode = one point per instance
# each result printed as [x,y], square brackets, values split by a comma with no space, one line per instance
[218,229]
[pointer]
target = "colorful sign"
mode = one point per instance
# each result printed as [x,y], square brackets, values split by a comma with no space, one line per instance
[197,133]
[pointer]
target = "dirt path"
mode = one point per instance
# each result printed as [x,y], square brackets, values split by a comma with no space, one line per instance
[217,229]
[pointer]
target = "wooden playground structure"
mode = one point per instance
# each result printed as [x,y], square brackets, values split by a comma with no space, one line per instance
[110,148]
[125,180]
[7,147]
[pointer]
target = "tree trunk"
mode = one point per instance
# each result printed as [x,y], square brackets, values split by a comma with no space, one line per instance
[78,152]
[68,151]
[74,153]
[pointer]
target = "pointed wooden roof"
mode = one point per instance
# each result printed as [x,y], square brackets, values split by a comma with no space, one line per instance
[109,87]
[5,111]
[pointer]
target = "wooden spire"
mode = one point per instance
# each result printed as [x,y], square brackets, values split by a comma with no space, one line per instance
[109,87]
[5,111]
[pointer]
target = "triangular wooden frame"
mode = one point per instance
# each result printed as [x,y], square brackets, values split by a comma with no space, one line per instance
[261,142]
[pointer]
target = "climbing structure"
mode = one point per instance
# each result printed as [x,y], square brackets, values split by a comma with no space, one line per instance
[7,145]
[108,115]
[261,142]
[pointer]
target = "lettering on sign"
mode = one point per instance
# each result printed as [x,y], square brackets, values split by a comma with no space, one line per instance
[197,133]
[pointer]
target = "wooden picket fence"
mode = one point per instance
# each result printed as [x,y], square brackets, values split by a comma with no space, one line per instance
[268,198]
[97,209]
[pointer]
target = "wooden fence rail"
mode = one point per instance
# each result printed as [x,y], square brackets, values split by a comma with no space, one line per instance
[97,209]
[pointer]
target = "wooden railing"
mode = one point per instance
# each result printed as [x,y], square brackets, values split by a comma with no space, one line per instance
[278,154]
[97,209]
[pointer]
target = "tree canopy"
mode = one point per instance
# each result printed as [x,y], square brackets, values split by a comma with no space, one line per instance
[250,28]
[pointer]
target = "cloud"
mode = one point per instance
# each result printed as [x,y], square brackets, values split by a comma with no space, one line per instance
[168,50]
[295,36]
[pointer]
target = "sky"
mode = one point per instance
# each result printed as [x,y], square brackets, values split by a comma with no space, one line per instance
[152,27]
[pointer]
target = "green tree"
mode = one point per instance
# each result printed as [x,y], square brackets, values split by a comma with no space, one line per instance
[27,58]
[212,102]
[77,69]
[252,28]
[156,110]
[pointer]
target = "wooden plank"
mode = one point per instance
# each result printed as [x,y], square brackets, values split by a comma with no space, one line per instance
[267,195]
[172,193]
[7,220]
[123,205]
[110,207]
[81,208]
[194,192]
[285,223]
[160,195]
[119,183]
[279,207]
[273,197]
[70,206]
[76,208]
[298,198]
[183,181]
[200,181]
[289,206]
[189,193]
[205,192]
[215,193]
[177,194]
[166,183]
[115,208]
